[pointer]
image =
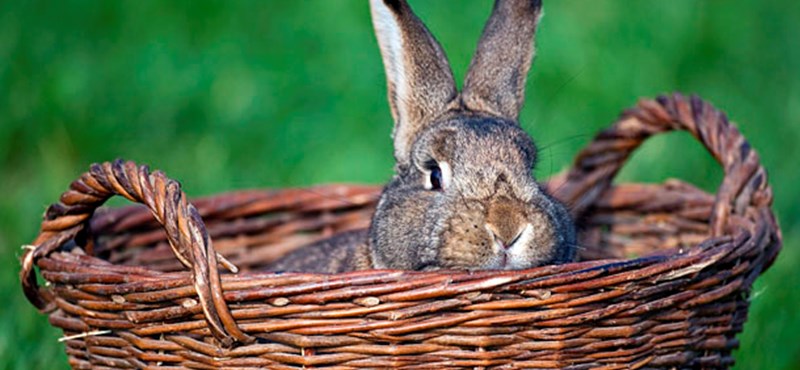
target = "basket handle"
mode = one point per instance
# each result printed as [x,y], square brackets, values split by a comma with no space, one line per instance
[745,182]
[68,219]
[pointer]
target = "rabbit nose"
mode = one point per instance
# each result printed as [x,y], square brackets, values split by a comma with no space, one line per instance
[505,221]
[505,241]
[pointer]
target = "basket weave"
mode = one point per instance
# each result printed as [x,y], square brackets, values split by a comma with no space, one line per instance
[124,301]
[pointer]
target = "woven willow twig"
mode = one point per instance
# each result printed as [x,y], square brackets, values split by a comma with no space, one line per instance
[184,229]
[124,300]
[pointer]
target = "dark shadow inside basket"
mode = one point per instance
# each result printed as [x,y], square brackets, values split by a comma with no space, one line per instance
[635,220]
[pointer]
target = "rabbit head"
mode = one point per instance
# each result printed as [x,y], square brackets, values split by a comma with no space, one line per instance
[464,195]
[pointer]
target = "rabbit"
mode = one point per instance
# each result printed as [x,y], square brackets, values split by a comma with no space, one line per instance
[463,195]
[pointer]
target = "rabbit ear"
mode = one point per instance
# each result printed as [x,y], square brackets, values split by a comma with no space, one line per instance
[495,81]
[419,80]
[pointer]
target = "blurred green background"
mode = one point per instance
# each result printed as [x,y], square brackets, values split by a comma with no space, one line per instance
[233,95]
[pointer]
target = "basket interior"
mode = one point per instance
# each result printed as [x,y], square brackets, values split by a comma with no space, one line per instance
[254,228]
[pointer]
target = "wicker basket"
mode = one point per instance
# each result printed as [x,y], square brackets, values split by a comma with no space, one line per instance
[123,300]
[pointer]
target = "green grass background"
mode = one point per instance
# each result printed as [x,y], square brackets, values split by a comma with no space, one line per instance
[233,95]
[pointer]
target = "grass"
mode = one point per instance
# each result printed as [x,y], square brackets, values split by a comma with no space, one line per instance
[232,95]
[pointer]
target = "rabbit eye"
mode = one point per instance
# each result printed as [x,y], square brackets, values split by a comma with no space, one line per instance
[439,175]
[436,178]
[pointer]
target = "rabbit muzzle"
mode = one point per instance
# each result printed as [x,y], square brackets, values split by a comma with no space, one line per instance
[498,233]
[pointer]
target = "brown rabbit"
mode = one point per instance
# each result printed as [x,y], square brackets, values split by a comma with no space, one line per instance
[463,196]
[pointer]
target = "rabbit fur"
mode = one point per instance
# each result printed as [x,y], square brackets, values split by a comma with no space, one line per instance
[463,195]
